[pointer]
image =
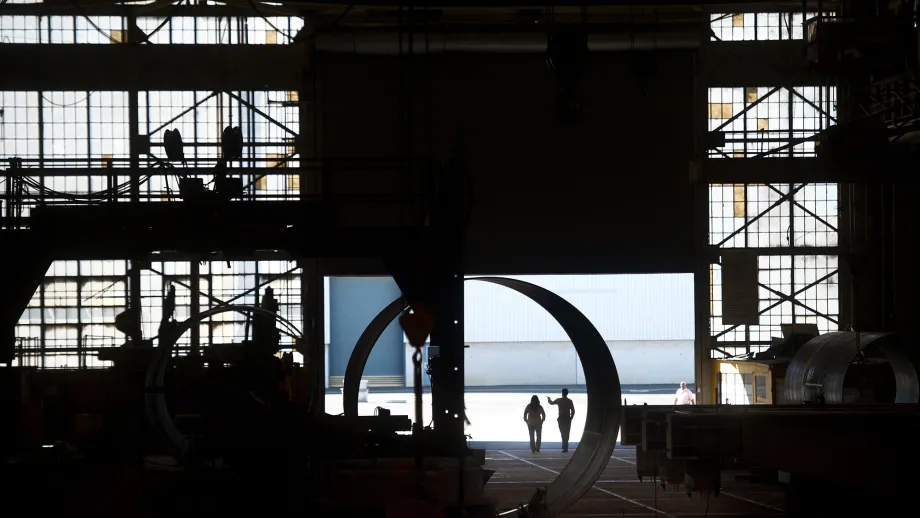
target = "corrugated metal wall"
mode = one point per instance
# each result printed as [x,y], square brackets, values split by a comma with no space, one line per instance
[622,307]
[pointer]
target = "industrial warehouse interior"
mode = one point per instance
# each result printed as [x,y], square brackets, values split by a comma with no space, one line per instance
[459,259]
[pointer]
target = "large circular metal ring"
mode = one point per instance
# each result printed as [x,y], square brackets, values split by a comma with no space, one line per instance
[821,365]
[602,421]
[155,396]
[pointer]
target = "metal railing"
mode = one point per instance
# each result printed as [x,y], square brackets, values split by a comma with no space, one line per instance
[38,182]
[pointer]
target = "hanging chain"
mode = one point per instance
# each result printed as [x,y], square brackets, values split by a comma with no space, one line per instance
[417,367]
[417,429]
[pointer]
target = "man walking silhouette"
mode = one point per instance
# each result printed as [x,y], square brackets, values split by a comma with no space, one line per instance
[566,413]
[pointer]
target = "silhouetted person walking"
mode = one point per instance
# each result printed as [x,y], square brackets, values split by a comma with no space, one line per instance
[534,417]
[566,413]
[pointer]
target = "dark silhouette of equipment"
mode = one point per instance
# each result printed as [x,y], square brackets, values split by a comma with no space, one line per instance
[225,188]
[136,34]
[231,143]
[856,140]
[264,330]
[172,141]
[169,305]
[567,57]
[129,322]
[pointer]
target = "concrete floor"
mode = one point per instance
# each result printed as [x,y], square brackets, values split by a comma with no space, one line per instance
[618,492]
[494,416]
[497,426]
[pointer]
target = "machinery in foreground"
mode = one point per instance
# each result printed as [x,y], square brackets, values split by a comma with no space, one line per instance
[849,407]
[235,422]
[230,427]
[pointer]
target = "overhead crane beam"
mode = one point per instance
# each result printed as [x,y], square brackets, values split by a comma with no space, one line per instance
[727,5]
[112,8]
[244,8]
[66,67]
[124,230]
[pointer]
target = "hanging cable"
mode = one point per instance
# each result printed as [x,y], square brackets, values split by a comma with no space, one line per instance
[67,105]
[46,192]
[270,24]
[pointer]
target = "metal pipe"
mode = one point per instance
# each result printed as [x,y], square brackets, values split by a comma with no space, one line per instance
[389,43]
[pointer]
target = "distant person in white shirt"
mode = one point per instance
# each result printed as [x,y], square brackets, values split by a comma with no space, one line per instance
[684,395]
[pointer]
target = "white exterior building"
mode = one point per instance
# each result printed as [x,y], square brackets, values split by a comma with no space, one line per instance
[647,321]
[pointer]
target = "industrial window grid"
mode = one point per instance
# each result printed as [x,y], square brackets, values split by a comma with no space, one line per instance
[774,122]
[67,322]
[64,130]
[71,315]
[91,130]
[773,215]
[770,121]
[219,282]
[186,30]
[277,30]
[736,388]
[269,122]
[19,128]
[792,289]
[758,26]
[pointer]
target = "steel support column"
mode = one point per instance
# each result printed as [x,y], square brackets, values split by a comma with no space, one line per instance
[702,299]
[448,409]
[134,152]
[194,303]
[431,272]
[314,350]
[702,259]
[312,286]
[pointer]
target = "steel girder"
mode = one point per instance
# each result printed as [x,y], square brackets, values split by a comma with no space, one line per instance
[54,67]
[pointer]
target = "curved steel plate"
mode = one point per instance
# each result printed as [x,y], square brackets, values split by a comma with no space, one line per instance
[602,421]
[362,351]
[906,379]
[822,364]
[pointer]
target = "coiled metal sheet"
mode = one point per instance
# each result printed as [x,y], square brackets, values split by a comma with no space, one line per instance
[821,365]
[602,418]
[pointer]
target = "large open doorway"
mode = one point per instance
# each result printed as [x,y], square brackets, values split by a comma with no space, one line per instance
[515,350]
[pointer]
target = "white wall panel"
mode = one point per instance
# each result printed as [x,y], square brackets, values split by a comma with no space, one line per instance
[556,363]
[650,363]
[622,307]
